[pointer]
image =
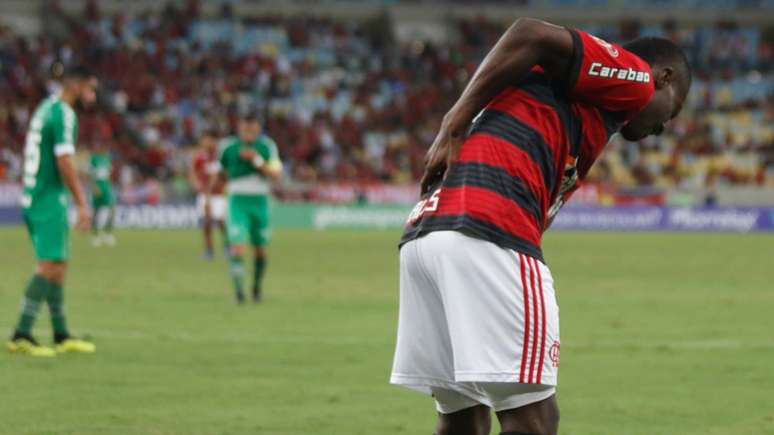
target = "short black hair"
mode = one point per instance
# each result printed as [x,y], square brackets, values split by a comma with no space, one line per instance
[660,51]
[71,71]
[251,116]
[210,132]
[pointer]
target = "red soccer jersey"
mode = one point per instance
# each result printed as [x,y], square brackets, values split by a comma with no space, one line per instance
[529,149]
[204,165]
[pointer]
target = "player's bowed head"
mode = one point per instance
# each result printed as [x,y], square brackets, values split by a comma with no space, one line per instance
[672,80]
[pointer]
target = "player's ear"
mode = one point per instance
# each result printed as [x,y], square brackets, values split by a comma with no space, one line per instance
[663,76]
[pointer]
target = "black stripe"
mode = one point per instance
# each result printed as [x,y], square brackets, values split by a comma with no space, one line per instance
[521,135]
[472,227]
[576,61]
[549,92]
[497,180]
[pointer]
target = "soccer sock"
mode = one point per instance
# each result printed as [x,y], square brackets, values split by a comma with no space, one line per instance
[95,221]
[56,308]
[260,267]
[33,296]
[109,221]
[237,269]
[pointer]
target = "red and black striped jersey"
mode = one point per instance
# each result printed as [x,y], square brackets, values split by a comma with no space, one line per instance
[532,145]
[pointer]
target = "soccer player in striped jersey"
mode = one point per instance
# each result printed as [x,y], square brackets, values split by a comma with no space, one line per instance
[48,169]
[479,323]
[204,165]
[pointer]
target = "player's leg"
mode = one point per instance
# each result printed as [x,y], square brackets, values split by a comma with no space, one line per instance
[110,238]
[35,294]
[259,236]
[53,255]
[109,205]
[423,352]
[470,421]
[221,225]
[96,206]
[539,418]
[219,213]
[259,266]
[207,233]
[206,226]
[238,232]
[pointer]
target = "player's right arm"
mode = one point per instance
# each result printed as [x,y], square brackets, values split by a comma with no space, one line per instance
[526,44]
[64,150]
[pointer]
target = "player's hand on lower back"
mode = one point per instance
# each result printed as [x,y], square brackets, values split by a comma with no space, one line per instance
[83,222]
[441,154]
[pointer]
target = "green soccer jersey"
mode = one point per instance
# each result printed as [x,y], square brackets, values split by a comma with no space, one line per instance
[52,133]
[101,188]
[100,164]
[243,177]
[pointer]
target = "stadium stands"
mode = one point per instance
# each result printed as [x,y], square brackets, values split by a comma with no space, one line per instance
[349,103]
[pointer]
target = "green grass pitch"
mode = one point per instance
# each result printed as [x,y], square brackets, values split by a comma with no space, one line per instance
[661,334]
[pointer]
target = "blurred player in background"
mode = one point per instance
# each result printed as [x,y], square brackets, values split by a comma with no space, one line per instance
[204,165]
[247,162]
[102,196]
[48,168]
[479,322]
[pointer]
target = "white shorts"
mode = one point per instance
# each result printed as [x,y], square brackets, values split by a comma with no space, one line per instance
[478,324]
[218,206]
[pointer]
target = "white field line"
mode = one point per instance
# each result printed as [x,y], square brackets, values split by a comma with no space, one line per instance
[360,341]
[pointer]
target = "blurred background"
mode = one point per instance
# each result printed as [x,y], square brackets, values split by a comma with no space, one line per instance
[353,92]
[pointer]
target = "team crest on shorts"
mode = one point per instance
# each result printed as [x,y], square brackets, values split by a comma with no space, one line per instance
[553,353]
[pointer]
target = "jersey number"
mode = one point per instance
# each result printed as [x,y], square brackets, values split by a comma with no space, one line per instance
[424,206]
[31,157]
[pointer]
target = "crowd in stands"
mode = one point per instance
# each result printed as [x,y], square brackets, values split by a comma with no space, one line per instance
[346,102]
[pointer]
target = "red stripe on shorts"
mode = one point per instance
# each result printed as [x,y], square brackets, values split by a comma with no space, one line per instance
[530,262]
[543,335]
[526,321]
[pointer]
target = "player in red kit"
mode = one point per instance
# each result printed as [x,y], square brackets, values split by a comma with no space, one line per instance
[203,164]
[479,322]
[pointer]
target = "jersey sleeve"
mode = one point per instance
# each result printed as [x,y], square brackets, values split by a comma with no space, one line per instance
[607,76]
[65,129]
[273,161]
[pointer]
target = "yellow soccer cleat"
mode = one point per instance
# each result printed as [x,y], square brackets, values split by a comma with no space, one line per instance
[29,347]
[75,345]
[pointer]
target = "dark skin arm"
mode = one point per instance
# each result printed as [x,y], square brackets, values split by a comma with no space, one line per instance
[70,177]
[528,42]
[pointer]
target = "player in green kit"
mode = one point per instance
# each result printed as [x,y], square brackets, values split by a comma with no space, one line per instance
[102,197]
[247,163]
[48,168]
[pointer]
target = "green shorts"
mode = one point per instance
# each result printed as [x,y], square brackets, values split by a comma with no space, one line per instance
[102,195]
[248,217]
[50,233]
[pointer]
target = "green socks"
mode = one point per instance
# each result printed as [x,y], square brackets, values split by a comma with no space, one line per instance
[109,221]
[56,307]
[237,270]
[260,267]
[36,292]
